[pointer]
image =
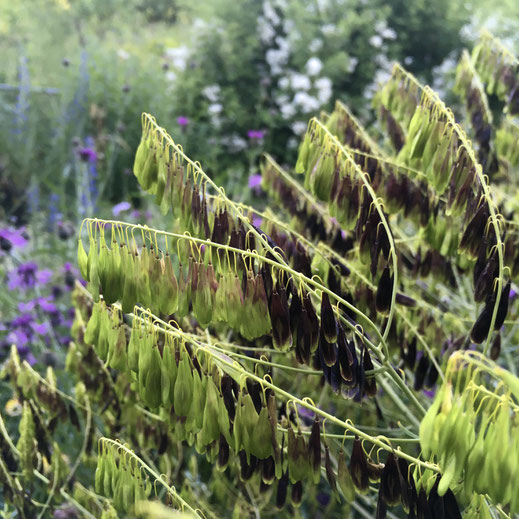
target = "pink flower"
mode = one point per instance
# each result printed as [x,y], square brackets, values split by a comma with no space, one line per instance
[182,120]
[255,134]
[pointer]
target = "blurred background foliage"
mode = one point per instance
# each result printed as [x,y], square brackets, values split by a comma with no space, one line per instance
[228,79]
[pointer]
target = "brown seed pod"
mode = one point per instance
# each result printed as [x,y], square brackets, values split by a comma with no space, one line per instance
[296,495]
[495,350]
[359,466]
[314,449]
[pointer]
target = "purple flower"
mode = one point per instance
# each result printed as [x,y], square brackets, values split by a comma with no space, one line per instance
[182,120]
[27,307]
[23,277]
[87,154]
[255,180]
[429,393]
[256,220]
[40,328]
[43,276]
[10,238]
[256,134]
[120,207]
[47,306]
[18,338]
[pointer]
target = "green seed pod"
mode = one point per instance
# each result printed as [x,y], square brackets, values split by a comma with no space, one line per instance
[99,474]
[102,345]
[202,295]
[184,292]
[26,442]
[195,417]
[94,324]
[141,156]
[111,475]
[183,393]
[118,358]
[297,453]
[113,286]
[129,266]
[261,445]
[344,478]
[168,373]
[82,260]
[168,288]
[149,173]
[210,428]
[141,271]
[153,390]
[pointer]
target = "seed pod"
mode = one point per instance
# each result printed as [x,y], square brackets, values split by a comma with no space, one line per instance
[328,323]
[223,454]
[248,465]
[314,449]
[168,288]
[261,445]
[344,478]
[183,387]
[502,309]
[330,474]
[359,466]
[481,327]
[268,470]
[82,260]
[226,387]
[420,372]
[280,318]
[370,386]
[384,291]
[281,494]
[390,491]
[297,494]
[118,358]
[210,429]
[328,351]
[26,443]
[495,349]
[94,324]
[297,453]
[483,285]
[344,355]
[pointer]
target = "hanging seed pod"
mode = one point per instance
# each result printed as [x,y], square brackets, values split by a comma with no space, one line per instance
[194,421]
[297,453]
[359,466]
[381,512]
[280,318]
[168,288]
[328,323]
[330,474]
[344,478]
[390,490]
[226,387]
[420,372]
[297,494]
[153,390]
[261,445]
[82,260]
[502,309]
[495,349]
[328,351]
[183,386]
[483,285]
[223,454]
[268,470]
[384,292]
[314,450]
[26,443]
[210,428]
[370,386]
[247,468]
[281,494]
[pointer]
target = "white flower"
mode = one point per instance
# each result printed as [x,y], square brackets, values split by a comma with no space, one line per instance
[300,82]
[215,108]
[171,76]
[299,127]
[288,110]
[265,30]
[292,143]
[270,13]
[352,64]
[313,66]
[328,29]
[315,45]
[284,82]
[212,92]
[234,143]
[178,56]
[306,102]
[376,41]
[123,54]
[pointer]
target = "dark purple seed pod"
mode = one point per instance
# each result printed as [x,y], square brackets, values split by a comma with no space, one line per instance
[474,232]
[281,494]
[254,389]
[314,446]
[420,372]
[423,510]
[406,485]
[384,292]
[344,356]
[336,378]
[485,280]
[296,308]
[163,444]
[296,495]
[328,323]
[359,466]
[328,350]
[74,420]
[452,510]
[311,323]
[390,488]
[228,399]
[431,376]
[410,353]
[370,385]
[280,318]
[481,327]
[330,474]
[247,469]
[223,453]
[405,300]
[381,512]
[495,349]
[502,309]
[436,502]
[268,470]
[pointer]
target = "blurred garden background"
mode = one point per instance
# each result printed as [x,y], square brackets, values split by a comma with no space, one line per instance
[228,79]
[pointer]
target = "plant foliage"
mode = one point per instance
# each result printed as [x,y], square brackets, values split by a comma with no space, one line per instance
[353,352]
